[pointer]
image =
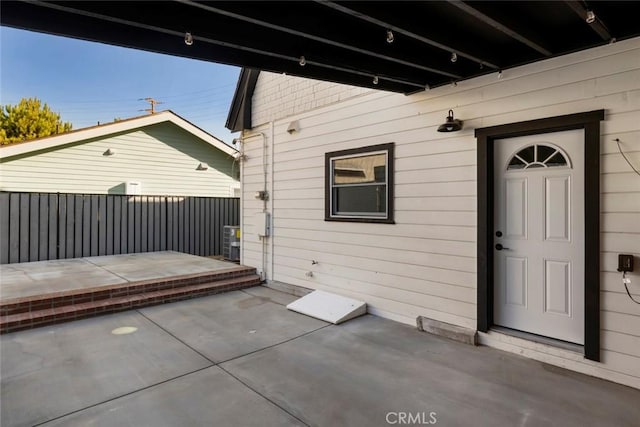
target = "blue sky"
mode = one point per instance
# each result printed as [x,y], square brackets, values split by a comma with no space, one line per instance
[89,82]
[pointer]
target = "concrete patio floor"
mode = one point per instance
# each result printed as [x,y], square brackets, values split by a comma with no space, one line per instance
[40,277]
[242,359]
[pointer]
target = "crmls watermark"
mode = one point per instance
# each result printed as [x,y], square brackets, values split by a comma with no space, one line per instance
[411,418]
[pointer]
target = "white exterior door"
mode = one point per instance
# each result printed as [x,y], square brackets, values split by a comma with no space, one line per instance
[539,234]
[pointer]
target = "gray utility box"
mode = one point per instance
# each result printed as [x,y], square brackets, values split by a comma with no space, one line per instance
[231,243]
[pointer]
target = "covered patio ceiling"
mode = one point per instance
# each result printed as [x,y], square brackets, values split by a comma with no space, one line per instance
[399,46]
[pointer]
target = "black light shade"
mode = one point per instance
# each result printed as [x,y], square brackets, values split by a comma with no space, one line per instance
[451,125]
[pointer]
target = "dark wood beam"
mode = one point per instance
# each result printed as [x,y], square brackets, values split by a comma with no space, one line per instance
[498,26]
[597,25]
[405,32]
[297,33]
[23,15]
[409,86]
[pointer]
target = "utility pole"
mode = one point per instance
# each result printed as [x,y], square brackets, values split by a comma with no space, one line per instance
[151,102]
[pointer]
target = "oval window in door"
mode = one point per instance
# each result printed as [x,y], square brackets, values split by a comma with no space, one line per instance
[538,156]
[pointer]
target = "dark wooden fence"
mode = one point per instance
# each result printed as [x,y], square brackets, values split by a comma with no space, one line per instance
[46,226]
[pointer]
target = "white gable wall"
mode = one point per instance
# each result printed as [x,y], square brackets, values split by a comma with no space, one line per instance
[425,264]
[162,157]
[277,96]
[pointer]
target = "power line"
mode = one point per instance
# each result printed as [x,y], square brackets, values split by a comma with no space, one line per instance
[214,90]
[197,107]
[183,105]
[202,92]
[212,99]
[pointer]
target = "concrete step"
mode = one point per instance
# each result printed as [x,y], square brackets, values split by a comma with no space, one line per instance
[39,310]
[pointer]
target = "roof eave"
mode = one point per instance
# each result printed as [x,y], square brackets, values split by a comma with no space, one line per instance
[239,117]
[93,132]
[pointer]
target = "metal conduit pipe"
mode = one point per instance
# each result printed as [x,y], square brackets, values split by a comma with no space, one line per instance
[243,139]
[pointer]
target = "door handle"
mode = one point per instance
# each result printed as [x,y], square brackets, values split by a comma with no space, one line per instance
[499,247]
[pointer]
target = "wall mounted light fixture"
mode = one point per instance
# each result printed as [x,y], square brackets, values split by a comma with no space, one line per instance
[109,152]
[451,125]
[202,167]
[294,126]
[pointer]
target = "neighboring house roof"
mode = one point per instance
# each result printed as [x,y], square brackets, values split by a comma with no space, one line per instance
[239,117]
[120,126]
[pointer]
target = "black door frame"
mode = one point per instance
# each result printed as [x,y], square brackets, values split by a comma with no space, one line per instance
[590,122]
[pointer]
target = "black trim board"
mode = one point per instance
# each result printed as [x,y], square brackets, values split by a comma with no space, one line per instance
[590,122]
[239,116]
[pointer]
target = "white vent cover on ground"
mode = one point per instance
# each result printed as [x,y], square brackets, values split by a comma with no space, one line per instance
[329,307]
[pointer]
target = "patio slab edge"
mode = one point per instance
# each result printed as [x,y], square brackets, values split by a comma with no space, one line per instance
[7,306]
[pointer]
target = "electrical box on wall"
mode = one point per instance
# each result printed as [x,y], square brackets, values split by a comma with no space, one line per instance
[263,224]
[625,263]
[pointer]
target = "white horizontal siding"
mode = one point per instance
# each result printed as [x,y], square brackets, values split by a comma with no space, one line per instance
[162,157]
[620,217]
[425,264]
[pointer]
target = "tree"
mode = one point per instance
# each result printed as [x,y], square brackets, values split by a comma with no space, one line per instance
[29,119]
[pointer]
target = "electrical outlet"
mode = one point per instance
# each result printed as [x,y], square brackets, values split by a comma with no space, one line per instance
[625,263]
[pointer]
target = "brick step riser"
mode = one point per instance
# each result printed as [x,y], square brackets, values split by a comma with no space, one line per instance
[115,291]
[117,304]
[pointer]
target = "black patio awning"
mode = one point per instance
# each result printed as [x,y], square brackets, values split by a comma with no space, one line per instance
[400,46]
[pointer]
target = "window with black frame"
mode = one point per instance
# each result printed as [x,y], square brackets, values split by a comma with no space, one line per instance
[359,184]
